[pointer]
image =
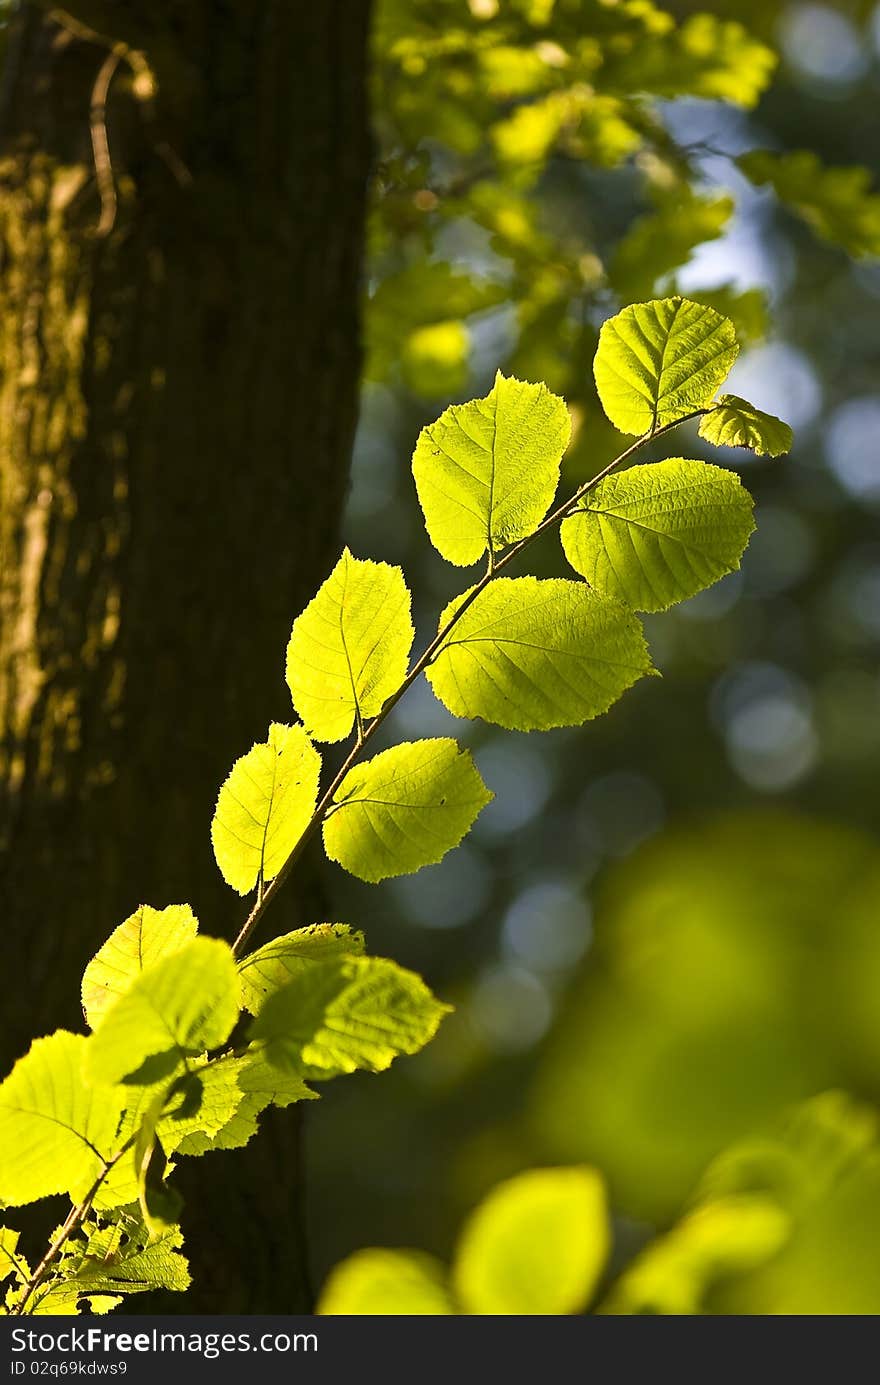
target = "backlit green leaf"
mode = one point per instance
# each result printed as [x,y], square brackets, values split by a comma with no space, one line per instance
[530,654]
[264,806]
[536,1245]
[403,809]
[56,1129]
[345,1014]
[218,1105]
[659,533]
[736,423]
[399,1283]
[185,1004]
[661,361]
[267,969]
[349,649]
[144,938]
[123,1257]
[486,472]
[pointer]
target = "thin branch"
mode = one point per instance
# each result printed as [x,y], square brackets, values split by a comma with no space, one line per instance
[425,659]
[74,1219]
[100,142]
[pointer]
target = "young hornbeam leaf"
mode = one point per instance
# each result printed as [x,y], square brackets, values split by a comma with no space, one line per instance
[659,533]
[734,422]
[349,649]
[658,362]
[347,1013]
[264,806]
[537,1245]
[530,654]
[145,937]
[267,969]
[217,1105]
[181,1006]
[403,809]
[56,1130]
[374,1282]
[486,472]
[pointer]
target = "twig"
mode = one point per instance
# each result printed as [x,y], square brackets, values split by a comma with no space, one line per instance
[75,1217]
[101,144]
[425,659]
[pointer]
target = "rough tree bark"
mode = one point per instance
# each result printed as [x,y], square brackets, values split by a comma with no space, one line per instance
[182,189]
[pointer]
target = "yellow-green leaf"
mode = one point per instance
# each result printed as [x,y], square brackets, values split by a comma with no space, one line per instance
[486,472]
[530,654]
[660,362]
[374,1282]
[345,1014]
[403,809]
[536,1245]
[349,649]
[659,533]
[273,964]
[185,1004]
[264,807]
[56,1128]
[144,938]
[734,422]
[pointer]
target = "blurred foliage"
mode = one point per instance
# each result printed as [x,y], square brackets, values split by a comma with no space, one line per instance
[639,981]
[783,1223]
[536,1245]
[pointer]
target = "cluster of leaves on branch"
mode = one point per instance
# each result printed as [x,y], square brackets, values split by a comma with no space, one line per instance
[540,1243]
[510,133]
[191,1038]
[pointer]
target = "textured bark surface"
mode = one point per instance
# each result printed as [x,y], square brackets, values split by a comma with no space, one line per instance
[178,384]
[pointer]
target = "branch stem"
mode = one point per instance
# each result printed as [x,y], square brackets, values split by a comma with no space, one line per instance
[496,565]
[75,1217]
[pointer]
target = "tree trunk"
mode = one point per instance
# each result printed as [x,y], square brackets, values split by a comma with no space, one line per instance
[181,230]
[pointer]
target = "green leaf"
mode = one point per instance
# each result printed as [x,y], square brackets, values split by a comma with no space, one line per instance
[486,472]
[56,1130]
[122,1257]
[349,649]
[399,1283]
[218,1105]
[267,969]
[345,1014]
[59,1299]
[183,1005]
[530,654]
[403,809]
[264,807]
[837,203]
[144,938]
[661,361]
[736,423]
[659,533]
[536,1245]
